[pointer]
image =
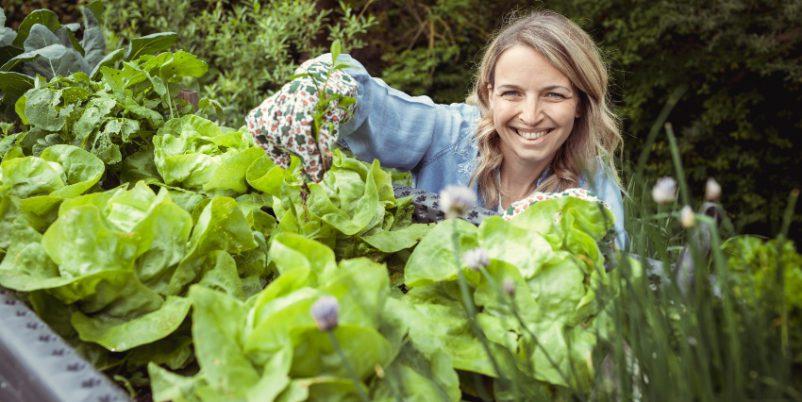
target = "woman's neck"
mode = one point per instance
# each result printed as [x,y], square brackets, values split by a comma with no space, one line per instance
[517,180]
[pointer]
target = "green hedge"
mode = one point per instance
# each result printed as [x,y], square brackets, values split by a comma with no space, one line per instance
[739,120]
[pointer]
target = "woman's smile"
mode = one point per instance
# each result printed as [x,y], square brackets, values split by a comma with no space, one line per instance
[532,136]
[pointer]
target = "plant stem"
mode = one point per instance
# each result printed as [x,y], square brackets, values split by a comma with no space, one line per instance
[787,218]
[683,184]
[470,309]
[722,271]
[357,382]
[655,129]
[514,309]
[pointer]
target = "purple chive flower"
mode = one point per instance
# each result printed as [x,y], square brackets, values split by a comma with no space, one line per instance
[326,311]
[456,201]
[475,259]
[665,190]
[508,286]
[687,217]
[712,190]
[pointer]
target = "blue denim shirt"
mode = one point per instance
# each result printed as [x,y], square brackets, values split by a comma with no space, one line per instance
[435,142]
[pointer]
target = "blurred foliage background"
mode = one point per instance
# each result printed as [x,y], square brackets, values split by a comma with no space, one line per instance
[739,121]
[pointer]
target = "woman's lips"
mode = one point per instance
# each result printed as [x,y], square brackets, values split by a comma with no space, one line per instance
[532,135]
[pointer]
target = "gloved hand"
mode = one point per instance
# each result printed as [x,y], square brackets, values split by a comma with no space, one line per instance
[283,123]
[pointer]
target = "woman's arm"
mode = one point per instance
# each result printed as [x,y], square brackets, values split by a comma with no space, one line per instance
[386,124]
[398,129]
[606,189]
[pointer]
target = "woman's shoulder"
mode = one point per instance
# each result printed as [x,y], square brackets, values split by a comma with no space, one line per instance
[599,173]
[469,112]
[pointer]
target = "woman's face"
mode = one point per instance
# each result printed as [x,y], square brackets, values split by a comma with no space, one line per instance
[533,105]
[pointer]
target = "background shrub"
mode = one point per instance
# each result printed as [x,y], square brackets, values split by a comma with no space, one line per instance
[740,59]
[252,47]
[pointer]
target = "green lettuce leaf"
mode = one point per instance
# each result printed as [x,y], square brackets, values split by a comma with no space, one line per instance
[59,172]
[220,226]
[118,334]
[413,376]
[196,154]
[432,260]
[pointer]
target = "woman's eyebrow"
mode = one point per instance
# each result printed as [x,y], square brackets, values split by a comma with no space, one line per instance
[552,87]
[508,86]
[546,88]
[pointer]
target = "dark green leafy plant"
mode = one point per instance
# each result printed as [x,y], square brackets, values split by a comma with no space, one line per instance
[759,269]
[50,49]
[112,117]
[44,47]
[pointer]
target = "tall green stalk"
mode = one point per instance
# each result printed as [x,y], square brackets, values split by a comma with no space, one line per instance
[470,309]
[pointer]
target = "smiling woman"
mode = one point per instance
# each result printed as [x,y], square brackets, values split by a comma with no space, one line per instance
[542,124]
[546,121]
[533,107]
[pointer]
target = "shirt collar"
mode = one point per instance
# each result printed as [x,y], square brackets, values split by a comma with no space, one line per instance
[543,176]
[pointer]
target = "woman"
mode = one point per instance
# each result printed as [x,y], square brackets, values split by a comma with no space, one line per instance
[543,123]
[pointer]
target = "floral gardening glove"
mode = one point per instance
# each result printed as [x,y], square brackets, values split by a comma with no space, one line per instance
[284,123]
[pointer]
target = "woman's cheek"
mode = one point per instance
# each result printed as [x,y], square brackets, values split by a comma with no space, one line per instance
[563,113]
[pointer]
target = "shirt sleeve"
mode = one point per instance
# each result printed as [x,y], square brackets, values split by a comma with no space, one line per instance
[606,189]
[400,130]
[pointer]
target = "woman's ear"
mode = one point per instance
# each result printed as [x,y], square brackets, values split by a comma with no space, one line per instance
[490,95]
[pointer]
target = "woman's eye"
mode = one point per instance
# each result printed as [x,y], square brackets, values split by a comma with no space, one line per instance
[556,95]
[509,93]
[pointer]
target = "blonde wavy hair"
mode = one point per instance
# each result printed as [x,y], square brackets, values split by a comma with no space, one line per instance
[596,134]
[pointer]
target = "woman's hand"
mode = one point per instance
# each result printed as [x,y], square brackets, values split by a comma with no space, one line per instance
[284,123]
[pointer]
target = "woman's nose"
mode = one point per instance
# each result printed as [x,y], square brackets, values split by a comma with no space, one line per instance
[530,111]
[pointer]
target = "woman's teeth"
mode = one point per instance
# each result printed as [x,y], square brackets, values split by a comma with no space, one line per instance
[532,135]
